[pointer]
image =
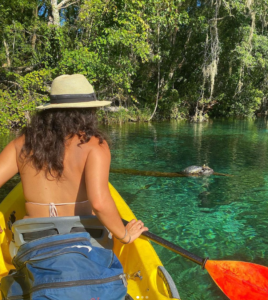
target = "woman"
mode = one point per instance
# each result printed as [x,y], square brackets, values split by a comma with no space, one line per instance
[64,160]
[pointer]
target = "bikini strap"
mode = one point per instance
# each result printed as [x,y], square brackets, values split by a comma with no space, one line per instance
[53,212]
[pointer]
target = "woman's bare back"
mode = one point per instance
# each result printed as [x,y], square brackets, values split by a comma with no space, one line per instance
[68,195]
[85,177]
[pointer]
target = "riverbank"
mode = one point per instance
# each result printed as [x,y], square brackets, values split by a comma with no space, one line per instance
[13,121]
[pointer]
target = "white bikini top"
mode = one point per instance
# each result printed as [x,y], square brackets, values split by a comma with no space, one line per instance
[53,212]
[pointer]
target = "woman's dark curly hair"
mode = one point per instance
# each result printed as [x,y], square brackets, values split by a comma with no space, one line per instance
[46,136]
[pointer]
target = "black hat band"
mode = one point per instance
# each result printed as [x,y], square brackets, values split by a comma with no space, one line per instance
[58,99]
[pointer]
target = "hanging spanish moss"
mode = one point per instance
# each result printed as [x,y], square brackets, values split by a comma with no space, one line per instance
[248,46]
[213,67]
[210,65]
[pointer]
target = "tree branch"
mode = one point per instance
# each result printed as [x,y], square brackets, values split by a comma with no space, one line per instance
[11,82]
[63,2]
[68,5]
[218,19]
[7,53]
[22,70]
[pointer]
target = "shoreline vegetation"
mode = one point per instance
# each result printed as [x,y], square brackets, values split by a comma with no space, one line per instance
[155,60]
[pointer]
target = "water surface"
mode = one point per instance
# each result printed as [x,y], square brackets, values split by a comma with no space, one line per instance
[219,217]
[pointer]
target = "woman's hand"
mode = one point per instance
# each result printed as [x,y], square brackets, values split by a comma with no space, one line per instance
[134,230]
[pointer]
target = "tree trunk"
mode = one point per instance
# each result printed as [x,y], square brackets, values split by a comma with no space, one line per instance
[35,13]
[158,72]
[157,94]
[55,13]
[57,7]
[7,53]
[159,174]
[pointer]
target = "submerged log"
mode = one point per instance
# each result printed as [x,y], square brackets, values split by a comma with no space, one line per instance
[159,174]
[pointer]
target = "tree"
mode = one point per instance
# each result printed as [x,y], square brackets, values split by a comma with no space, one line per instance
[57,7]
[157,58]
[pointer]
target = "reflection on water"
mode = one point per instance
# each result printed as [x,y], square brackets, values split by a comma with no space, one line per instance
[219,217]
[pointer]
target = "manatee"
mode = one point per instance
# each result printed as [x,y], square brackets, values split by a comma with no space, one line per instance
[197,170]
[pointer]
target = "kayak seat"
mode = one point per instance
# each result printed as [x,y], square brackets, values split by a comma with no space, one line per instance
[26,230]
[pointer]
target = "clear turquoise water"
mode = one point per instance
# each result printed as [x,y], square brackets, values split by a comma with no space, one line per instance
[219,217]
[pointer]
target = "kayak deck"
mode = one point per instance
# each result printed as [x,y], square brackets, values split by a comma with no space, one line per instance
[139,259]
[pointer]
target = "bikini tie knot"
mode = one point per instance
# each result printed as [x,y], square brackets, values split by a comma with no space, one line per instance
[53,210]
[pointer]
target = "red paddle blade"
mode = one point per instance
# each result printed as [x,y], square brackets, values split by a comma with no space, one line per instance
[240,280]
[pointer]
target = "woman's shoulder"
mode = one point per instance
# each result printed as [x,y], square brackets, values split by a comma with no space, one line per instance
[95,142]
[19,142]
[97,148]
[93,147]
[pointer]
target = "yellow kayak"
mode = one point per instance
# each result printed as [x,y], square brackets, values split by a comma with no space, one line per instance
[147,278]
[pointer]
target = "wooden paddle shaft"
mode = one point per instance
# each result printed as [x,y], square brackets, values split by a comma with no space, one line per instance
[174,248]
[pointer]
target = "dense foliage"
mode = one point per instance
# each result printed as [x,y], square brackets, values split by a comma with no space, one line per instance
[156,58]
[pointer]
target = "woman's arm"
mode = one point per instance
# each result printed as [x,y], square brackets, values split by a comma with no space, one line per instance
[8,163]
[97,176]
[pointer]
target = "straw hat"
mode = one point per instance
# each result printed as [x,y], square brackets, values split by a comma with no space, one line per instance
[72,91]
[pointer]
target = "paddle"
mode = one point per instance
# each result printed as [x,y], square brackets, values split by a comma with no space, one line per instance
[238,280]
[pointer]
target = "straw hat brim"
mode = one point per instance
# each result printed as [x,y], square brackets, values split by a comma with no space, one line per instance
[95,103]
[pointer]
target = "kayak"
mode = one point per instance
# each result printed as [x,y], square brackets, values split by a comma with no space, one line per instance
[147,277]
